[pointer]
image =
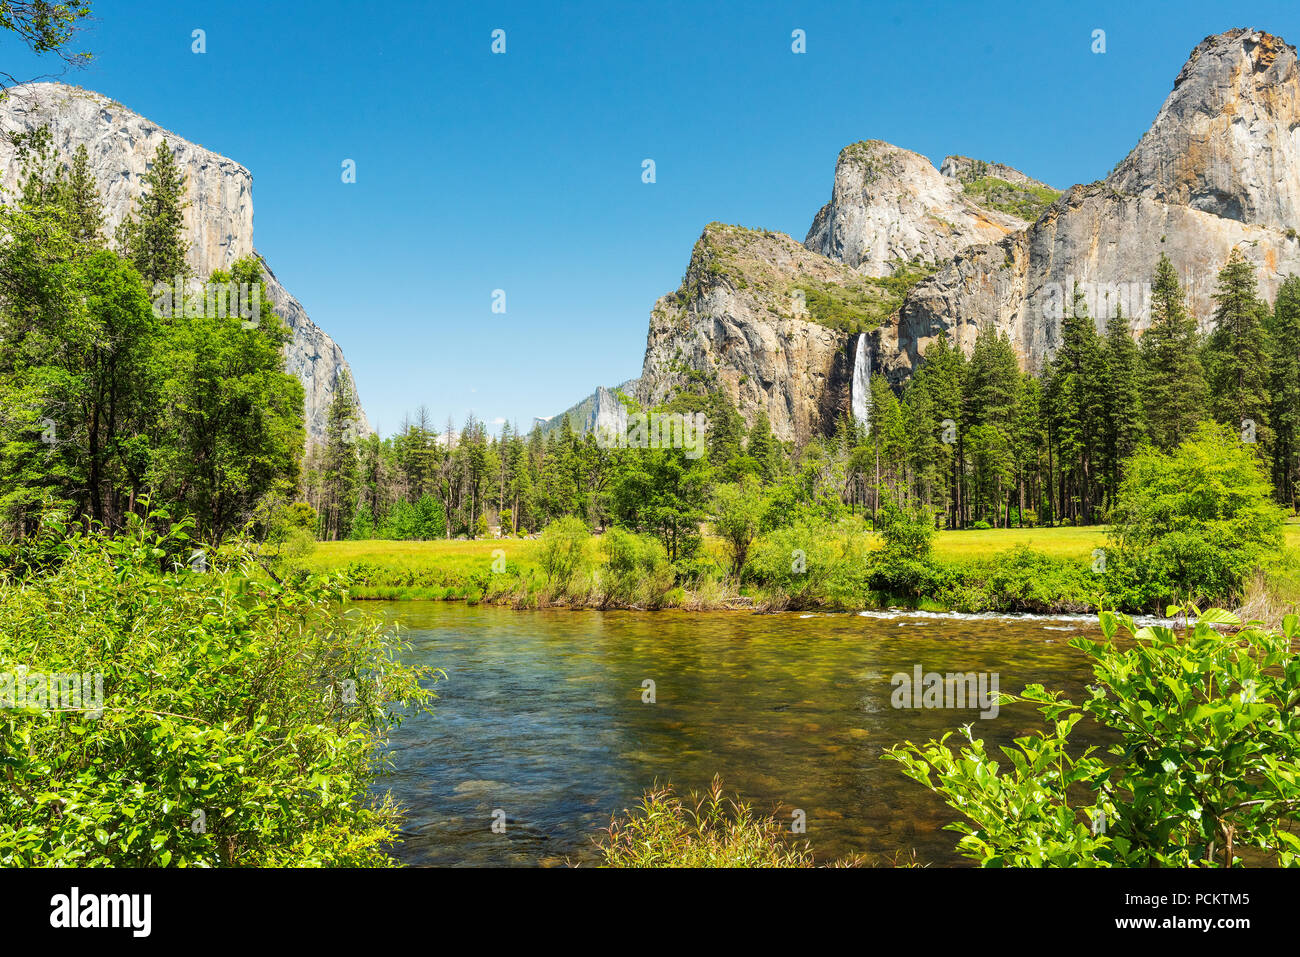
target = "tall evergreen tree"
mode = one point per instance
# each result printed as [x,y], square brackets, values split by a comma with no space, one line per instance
[1074,395]
[340,465]
[81,197]
[992,397]
[1122,422]
[1236,353]
[1284,389]
[762,447]
[1173,383]
[154,238]
[935,400]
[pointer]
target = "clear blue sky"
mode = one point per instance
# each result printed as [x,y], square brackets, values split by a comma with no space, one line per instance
[523,171]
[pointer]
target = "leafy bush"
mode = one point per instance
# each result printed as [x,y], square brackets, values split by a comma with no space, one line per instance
[241,718]
[635,570]
[801,564]
[1207,762]
[737,513]
[562,552]
[1193,524]
[903,567]
[1024,580]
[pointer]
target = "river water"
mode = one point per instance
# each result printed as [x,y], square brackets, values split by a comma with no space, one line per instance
[542,718]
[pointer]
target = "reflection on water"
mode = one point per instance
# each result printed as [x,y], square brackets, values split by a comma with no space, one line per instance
[541,716]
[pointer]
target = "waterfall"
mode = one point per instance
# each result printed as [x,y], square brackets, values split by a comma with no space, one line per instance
[860,393]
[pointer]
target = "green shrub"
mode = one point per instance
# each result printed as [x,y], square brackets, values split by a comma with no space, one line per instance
[1024,580]
[1206,765]
[241,720]
[635,570]
[903,566]
[802,563]
[1194,524]
[737,512]
[562,552]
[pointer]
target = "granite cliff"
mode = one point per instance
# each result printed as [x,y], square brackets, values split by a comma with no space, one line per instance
[1219,170]
[904,251]
[219,220]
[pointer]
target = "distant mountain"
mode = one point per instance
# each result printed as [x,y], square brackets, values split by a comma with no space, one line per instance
[597,410]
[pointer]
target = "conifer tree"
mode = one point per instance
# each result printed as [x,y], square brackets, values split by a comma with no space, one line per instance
[1074,397]
[82,201]
[340,466]
[1121,401]
[154,238]
[1173,383]
[1236,353]
[1284,389]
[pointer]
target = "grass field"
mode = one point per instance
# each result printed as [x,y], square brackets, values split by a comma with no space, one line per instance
[453,562]
[470,556]
[463,570]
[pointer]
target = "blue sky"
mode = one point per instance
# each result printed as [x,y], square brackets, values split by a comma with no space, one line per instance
[522,171]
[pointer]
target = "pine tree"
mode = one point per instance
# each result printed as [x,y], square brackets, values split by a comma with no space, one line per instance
[81,199]
[154,239]
[1284,389]
[1236,353]
[1074,394]
[340,467]
[935,428]
[1173,384]
[762,447]
[992,396]
[1121,401]
[1029,442]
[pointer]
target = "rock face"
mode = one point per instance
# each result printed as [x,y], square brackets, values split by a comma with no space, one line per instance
[219,220]
[743,322]
[1218,171]
[597,411]
[1227,140]
[890,205]
[963,169]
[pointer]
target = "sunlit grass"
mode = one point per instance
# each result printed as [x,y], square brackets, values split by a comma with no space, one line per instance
[458,569]
[455,557]
[476,556]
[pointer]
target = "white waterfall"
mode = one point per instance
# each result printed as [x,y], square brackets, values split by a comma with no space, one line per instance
[860,392]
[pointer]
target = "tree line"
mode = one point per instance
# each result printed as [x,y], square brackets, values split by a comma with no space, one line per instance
[974,439]
[985,443]
[109,404]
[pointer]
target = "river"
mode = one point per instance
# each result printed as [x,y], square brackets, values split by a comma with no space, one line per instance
[542,717]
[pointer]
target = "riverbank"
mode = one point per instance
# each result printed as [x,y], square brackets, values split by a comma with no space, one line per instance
[1033,570]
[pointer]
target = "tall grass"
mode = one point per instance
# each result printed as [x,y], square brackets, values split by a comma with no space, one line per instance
[710,830]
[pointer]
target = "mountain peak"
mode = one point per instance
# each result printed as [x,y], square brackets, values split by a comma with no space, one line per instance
[1225,141]
[890,205]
